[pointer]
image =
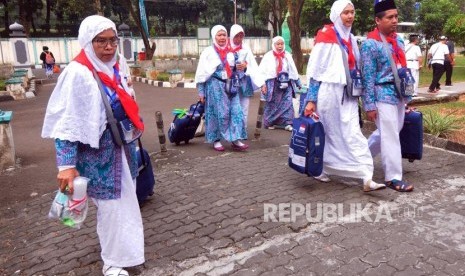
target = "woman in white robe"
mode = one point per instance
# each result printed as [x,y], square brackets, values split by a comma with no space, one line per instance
[75,118]
[346,151]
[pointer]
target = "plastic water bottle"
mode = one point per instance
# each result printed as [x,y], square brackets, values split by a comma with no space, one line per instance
[80,188]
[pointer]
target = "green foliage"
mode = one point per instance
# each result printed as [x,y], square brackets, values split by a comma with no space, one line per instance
[455,29]
[440,125]
[316,13]
[163,76]
[2,85]
[434,14]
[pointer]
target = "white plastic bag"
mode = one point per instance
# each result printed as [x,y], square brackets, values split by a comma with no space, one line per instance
[71,213]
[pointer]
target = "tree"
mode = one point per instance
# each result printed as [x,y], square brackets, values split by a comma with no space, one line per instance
[295,11]
[135,13]
[434,14]
[315,14]
[271,11]
[455,29]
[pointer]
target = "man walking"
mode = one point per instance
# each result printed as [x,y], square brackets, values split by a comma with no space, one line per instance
[437,53]
[382,103]
[449,62]
[414,60]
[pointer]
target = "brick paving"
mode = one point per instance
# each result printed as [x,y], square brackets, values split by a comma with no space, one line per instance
[207,218]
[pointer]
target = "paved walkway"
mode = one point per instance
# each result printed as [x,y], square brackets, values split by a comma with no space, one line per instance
[215,215]
[207,218]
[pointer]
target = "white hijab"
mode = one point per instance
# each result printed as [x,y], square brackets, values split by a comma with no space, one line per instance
[209,58]
[235,29]
[90,27]
[325,63]
[268,64]
[335,16]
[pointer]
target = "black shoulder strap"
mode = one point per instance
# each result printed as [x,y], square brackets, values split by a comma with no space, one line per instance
[110,118]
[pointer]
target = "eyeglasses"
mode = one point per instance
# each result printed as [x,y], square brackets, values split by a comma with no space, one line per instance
[103,42]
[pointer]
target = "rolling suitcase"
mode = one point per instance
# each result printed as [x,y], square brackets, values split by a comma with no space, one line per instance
[411,136]
[183,128]
[145,182]
[307,145]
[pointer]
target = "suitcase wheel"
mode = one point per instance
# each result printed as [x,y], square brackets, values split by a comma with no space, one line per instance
[411,160]
[186,141]
[177,143]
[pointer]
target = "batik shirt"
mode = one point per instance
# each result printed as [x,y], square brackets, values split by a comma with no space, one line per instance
[377,76]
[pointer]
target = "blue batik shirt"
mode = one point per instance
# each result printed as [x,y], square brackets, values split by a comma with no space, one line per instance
[377,76]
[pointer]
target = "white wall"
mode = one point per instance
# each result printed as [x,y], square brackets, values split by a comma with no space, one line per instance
[65,49]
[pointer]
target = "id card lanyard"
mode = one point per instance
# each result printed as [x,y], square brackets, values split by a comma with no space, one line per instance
[224,62]
[343,45]
[113,96]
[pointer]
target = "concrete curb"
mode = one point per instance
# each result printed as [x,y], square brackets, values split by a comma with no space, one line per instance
[166,84]
[152,82]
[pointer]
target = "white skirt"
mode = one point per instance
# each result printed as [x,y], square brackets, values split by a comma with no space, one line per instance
[119,225]
[346,151]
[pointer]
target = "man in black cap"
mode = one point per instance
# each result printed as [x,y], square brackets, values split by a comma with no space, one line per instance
[382,103]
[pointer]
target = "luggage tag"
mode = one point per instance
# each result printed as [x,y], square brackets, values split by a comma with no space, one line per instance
[224,75]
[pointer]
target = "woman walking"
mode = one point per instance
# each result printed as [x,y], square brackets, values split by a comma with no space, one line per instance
[224,119]
[346,151]
[280,73]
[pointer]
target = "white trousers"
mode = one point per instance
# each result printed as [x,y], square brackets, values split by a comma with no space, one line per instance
[245,101]
[385,139]
[416,76]
[119,225]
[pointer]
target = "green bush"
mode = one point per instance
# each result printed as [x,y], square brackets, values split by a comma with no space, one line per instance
[163,77]
[2,85]
[440,125]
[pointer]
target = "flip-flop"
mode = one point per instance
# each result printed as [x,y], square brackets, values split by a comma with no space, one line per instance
[399,185]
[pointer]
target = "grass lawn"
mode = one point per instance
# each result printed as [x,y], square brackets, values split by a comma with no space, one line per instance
[458,75]
[455,109]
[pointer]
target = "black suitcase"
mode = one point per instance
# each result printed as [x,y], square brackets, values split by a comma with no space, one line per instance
[183,129]
[411,136]
[145,182]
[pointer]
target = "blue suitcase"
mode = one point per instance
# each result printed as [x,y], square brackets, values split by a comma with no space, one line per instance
[306,146]
[411,136]
[145,182]
[183,129]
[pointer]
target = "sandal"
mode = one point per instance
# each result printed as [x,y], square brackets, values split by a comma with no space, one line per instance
[114,271]
[370,185]
[399,185]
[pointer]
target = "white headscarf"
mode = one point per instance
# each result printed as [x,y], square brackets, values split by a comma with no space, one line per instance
[235,29]
[213,33]
[335,16]
[90,27]
[209,59]
[276,39]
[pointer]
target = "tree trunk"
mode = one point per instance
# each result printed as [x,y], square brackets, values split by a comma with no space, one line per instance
[98,7]
[135,13]
[5,16]
[295,10]
[23,16]
[47,17]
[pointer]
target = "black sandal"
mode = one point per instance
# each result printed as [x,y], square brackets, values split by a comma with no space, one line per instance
[399,185]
